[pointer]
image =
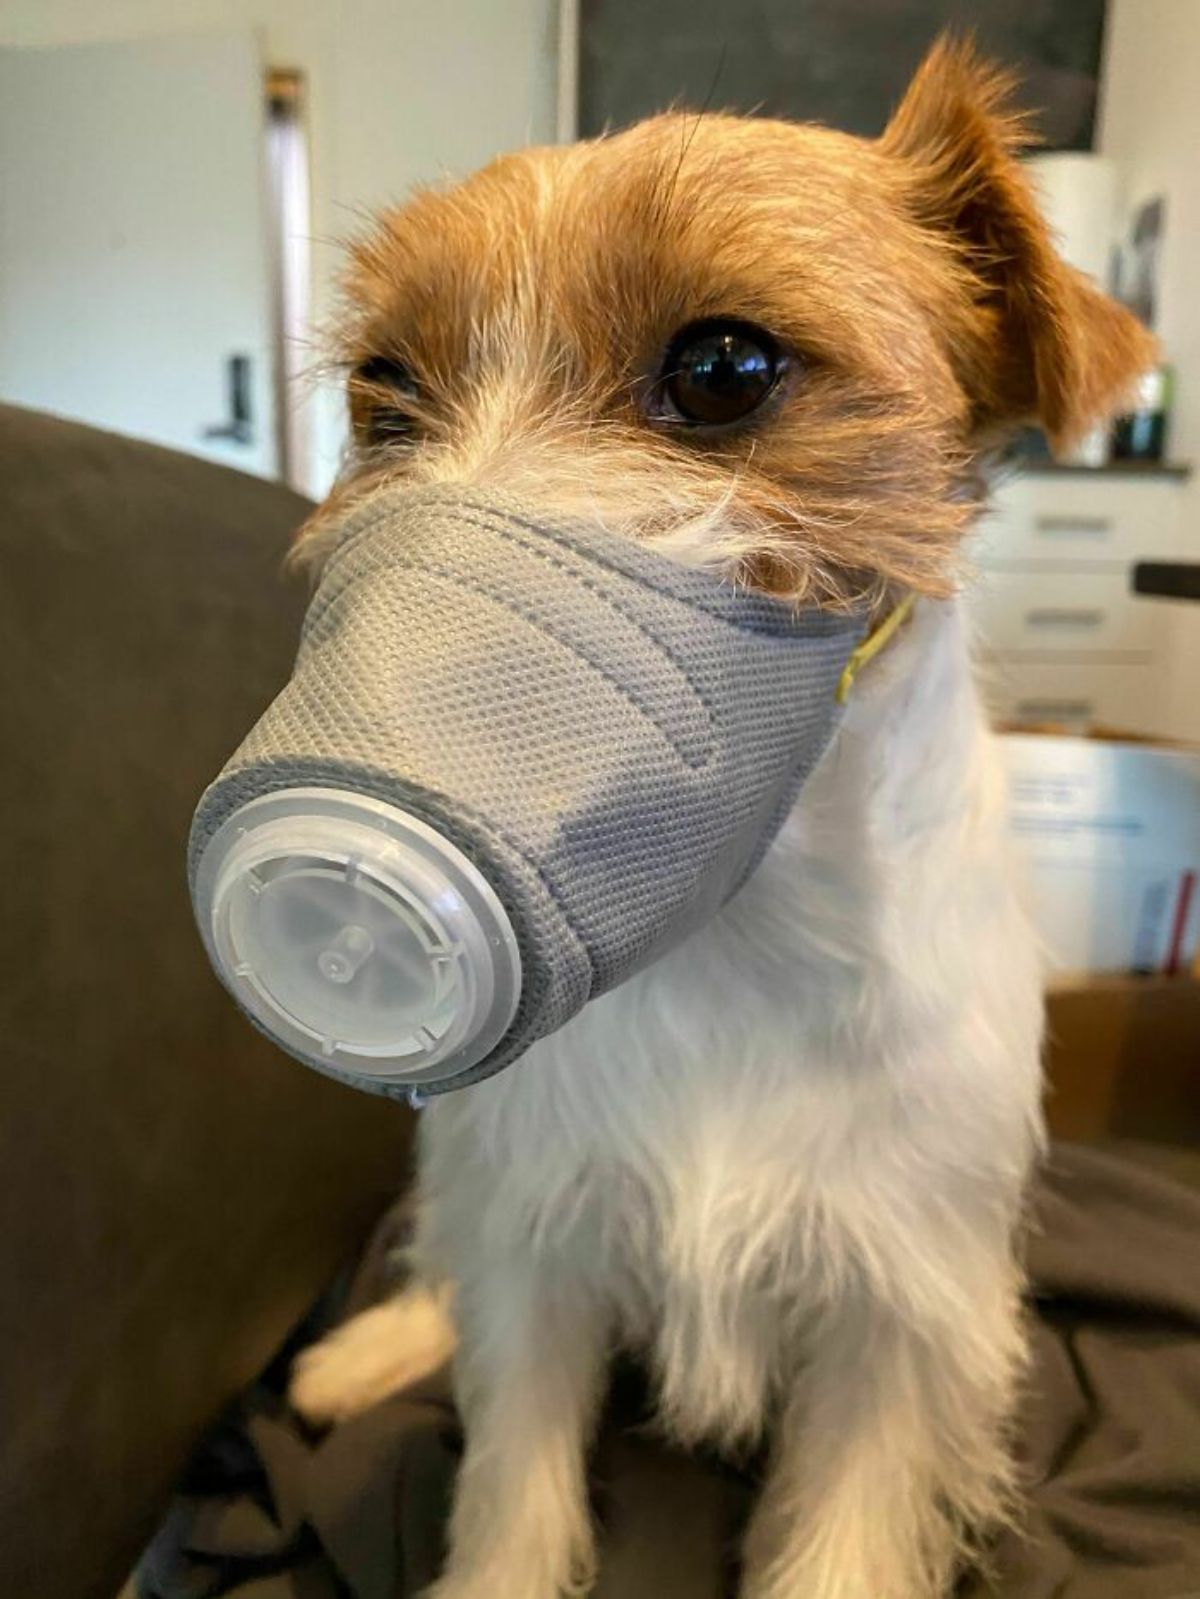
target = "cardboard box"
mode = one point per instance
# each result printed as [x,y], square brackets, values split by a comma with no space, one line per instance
[1123,1058]
[1110,831]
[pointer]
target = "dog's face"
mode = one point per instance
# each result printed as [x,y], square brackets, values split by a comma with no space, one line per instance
[772,348]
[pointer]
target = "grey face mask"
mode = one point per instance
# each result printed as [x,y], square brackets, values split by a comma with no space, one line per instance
[515,762]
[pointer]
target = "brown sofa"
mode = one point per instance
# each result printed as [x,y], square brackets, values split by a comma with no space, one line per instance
[173,1190]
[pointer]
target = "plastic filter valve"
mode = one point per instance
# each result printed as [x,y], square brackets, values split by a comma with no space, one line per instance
[356,935]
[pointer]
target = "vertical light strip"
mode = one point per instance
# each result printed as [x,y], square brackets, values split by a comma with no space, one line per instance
[568,71]
[291,248]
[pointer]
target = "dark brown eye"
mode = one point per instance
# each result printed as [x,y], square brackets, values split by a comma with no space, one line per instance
[375,382]
[719,372]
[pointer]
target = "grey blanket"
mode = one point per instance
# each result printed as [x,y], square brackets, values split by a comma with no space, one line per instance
[1110,1445]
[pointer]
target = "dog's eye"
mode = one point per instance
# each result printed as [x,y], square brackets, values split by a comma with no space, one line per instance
[718,372]
[376,381]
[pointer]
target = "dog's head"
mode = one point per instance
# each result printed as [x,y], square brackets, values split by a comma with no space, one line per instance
[774,349]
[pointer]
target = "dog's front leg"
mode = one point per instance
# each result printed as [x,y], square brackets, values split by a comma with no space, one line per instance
[890,1458]
[528,1378]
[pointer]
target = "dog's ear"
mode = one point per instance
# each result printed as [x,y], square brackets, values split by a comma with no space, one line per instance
[1053,349]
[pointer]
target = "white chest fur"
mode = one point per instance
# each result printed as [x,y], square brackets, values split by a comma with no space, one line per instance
[835,1082]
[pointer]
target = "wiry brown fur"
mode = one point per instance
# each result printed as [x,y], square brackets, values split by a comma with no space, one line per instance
[911,280]
[1041,343]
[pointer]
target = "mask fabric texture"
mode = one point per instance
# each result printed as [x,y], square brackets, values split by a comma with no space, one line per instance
[613,739]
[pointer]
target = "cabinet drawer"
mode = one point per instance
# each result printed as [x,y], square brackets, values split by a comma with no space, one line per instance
[1111,695]
[1072,519]
[1048,612]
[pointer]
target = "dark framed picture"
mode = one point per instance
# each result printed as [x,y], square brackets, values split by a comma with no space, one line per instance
[841,62]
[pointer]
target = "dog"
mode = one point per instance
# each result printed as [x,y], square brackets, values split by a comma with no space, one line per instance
[786,1163]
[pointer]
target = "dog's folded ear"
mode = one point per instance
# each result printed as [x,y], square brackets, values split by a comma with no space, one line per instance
[1045,344]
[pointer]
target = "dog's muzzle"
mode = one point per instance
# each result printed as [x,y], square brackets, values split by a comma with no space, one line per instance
[516,761]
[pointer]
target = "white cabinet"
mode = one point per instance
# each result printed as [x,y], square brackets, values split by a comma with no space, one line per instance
[1051,612]
[1062,637]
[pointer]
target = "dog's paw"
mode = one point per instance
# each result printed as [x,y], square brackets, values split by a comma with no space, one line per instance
[379,1353]
[456,1588]
[520,1570]
[451,1587]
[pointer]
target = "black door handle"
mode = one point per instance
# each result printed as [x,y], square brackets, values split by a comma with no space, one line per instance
[240,427]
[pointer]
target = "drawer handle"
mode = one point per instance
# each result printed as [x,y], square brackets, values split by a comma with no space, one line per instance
[1091,525]
[1055,710]
[1065,616]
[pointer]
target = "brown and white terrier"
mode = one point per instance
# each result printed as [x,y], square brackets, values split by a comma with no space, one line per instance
[786,1163]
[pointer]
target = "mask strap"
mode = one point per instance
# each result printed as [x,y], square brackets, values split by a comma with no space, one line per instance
[876,641]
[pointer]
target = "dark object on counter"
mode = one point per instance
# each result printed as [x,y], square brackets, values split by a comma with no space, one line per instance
[1030,447]
[1141,434]
[1168,580]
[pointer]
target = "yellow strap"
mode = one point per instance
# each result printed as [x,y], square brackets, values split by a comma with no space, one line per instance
[876,640]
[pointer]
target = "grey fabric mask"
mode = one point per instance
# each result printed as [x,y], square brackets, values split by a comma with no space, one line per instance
[515,762]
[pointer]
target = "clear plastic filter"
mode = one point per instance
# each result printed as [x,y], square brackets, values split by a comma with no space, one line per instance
[358,937]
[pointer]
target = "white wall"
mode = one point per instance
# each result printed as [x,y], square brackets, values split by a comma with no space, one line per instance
[400,91]
[1150,125]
